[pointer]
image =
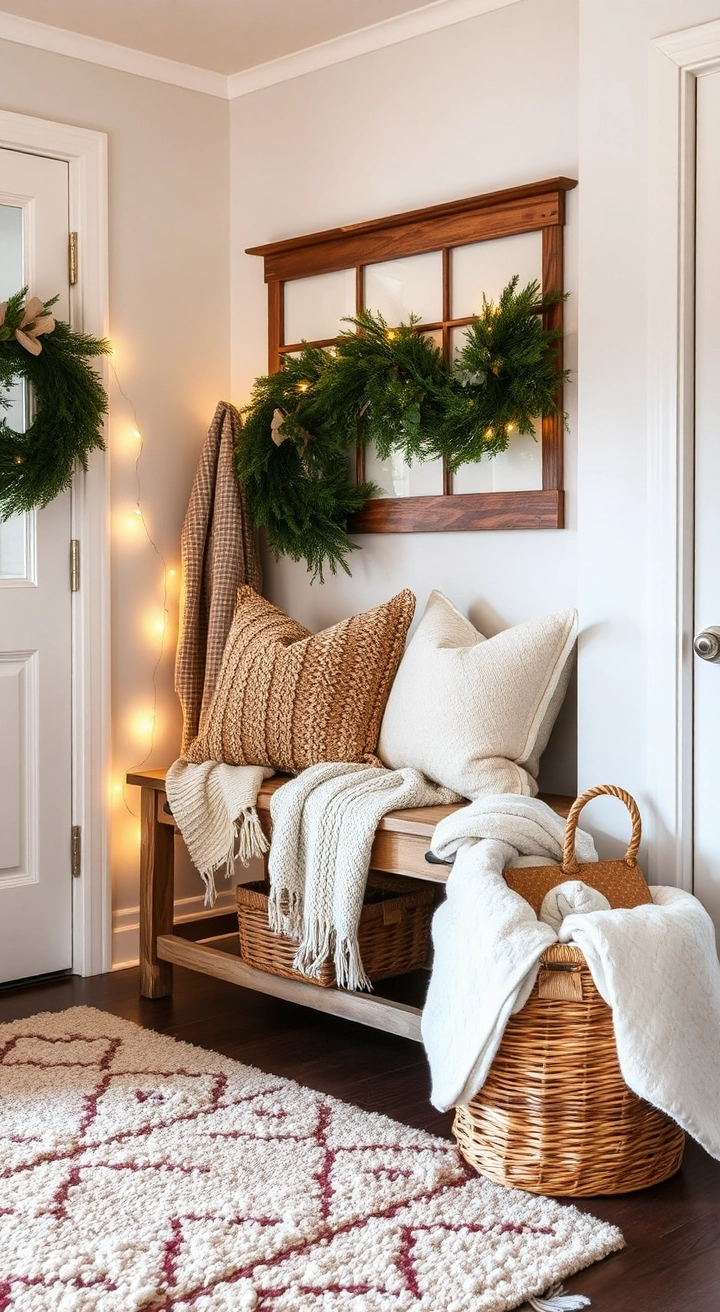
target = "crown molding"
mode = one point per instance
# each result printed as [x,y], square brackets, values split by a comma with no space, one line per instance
[390,32]
[60,41]
[695,46]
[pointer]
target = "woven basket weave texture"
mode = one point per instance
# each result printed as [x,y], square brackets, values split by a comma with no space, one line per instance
[555,1115]
[394,933]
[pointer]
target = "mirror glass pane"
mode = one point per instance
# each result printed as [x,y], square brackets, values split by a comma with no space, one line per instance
[398,288]
[488,266]
[14,534]
[398,479]
[436,337]
[519,469]
[315,307]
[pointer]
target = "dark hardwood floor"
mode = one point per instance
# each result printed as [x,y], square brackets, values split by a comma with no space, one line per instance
[672,1259]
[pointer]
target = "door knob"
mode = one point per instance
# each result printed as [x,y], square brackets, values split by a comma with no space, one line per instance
[707,644]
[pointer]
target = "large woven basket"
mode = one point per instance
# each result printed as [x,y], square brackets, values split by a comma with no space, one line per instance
[394,933]
[555,1115]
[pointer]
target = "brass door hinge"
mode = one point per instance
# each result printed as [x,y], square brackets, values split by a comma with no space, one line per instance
[74,565]
[76,851]
[73,257]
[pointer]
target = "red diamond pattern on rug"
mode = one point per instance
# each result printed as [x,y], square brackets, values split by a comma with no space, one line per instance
[139,1172]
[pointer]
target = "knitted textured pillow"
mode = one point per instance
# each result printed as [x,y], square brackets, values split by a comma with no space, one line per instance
[475,713]
[288,698]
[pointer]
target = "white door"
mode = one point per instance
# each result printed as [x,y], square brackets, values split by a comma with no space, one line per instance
[707,500]
[35,622]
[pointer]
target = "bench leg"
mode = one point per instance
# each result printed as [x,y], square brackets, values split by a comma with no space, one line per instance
[157,888]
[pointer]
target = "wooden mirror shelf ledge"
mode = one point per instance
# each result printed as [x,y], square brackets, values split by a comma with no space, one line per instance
[351,268]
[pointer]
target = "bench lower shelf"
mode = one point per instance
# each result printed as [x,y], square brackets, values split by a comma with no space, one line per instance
[379,1013]
[401,842]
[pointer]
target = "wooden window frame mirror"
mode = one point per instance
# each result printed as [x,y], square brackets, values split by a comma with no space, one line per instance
[539,206]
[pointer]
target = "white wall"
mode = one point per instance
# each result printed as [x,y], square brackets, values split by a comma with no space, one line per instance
[486,104]
[615,451]
[169,315]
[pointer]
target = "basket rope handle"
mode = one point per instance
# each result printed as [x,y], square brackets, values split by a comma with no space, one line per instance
[570,862]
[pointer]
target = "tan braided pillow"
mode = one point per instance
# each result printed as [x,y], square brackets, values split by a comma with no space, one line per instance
[288,698]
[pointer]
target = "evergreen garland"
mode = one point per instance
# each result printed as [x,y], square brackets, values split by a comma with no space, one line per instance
[386,387]
[389,387]
[504,377]
[295,468]
[37,465]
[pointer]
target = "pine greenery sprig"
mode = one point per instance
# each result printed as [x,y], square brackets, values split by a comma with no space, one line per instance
[385,387]
[37,465]
[298,487]
[504,377]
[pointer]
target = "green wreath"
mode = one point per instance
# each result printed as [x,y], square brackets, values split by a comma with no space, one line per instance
[70,401]
[390,387]
[504,378]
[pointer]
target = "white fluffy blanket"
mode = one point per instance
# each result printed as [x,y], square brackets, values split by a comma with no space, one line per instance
[324,823]
[487,939]
[656,966]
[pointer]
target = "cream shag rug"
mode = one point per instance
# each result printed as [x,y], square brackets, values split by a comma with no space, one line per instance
[139,1172]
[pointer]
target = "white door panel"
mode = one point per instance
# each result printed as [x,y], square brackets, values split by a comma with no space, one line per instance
[35,629]
[707,495]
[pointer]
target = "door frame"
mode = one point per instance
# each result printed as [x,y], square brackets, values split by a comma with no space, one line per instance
[85,153]
[676,61]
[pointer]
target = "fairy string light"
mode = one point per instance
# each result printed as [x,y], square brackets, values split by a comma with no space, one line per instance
[167,573]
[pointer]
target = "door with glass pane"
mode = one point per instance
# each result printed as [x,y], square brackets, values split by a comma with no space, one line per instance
[35,621]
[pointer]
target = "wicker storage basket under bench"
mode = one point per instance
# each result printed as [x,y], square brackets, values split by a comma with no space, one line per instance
[394,933]
[555,1115]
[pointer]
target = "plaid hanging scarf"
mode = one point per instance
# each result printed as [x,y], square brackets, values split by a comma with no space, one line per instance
[218,555]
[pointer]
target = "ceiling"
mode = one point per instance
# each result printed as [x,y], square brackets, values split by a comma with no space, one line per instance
[225,36]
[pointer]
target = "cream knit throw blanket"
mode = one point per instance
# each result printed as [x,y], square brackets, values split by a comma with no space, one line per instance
[213,806]
[324,823]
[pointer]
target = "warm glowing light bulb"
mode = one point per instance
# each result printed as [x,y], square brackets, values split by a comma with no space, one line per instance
[137,433]
[391,334]
[303,387]
[160,626]
[489,432]
[143,723]
[138,511]
[171,573]
[509,428]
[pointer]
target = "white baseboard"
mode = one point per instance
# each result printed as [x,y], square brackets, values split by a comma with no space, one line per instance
[126,924]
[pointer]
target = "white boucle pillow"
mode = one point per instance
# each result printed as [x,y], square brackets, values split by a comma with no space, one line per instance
[475,713]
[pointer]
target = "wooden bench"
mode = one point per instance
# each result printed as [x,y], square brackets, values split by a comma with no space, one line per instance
[401,841]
